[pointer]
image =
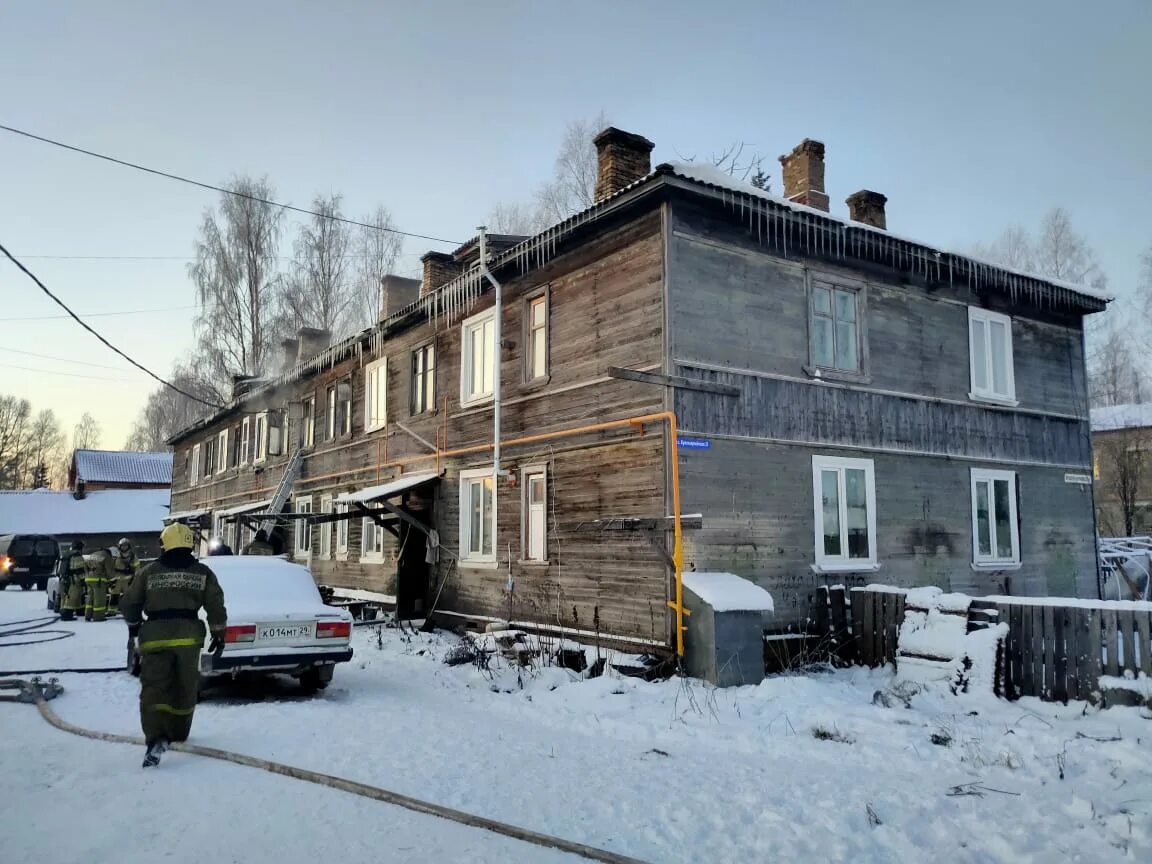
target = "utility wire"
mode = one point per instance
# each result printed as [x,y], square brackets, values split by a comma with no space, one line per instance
[100,314]
[84,324]
[221,189]
[60,359]
[66,374]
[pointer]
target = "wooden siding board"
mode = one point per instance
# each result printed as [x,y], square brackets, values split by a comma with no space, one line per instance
[1095,641]
[1049,615]
[1060,656]
[1111,643]
[1144,630]
[1027,680]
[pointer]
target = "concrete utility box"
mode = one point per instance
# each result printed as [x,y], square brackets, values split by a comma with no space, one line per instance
[725,640]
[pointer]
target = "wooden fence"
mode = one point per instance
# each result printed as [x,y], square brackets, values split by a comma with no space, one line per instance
[1053,650]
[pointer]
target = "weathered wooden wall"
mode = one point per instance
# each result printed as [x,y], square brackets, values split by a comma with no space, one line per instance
[739,317]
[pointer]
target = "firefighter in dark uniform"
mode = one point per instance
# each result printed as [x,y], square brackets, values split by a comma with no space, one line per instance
[161,608]
[72,598]
[126,566]
[259,545]
[100,577]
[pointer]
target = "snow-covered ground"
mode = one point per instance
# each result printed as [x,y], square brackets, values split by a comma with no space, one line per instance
[799,768]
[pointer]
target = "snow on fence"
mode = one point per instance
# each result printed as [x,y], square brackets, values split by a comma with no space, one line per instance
[1056,648]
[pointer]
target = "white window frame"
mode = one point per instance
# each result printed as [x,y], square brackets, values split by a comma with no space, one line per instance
[376,383]
[987,394]
[245,441]
[342,533]
[222,451]
[331,400]
[477,559]
[303,528]
[842,562]
[344,426]
[369,529]
[527,474]
[994,561]
[194,465]
[530,354]
[467,333]
[421,401]
[308,421]
[326,508]
[260,433]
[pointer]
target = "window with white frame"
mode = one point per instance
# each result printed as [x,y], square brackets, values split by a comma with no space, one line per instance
[834,336]
[535,542]
[423,379]
[477,516]
[326,527]
[303,526]
[330,413]
[209,456]
[245,441]
[995,530]
[308,421]
[260,434]
[478,357]
[344,397]
[990,350]
[844,493]
[536,341]
[222,452]
[371,540]
[194,465]
[342,533]
[376,395]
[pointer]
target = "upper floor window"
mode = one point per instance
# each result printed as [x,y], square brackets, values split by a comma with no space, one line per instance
[330,413]
[344,407]
[834,334]
[194,465]
[209,456]
[844,498]
[376,395]
[260,432]
[222,452]
[308,422]
[995,531]
[990,347]
[245,441]
[478,357]
[536,339]
[423,379]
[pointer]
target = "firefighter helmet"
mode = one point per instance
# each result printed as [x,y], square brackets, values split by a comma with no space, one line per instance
[176,536]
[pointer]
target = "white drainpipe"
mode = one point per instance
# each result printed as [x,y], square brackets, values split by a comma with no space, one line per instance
[496,340]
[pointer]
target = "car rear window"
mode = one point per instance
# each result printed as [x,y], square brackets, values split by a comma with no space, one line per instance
[20,547]
[45,547]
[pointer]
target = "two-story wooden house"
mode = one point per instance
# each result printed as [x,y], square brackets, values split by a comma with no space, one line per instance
[852,406]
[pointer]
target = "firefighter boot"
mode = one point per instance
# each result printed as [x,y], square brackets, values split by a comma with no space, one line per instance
[155,751]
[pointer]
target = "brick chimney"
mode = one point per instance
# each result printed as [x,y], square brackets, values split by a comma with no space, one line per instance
[440,268]
[289,350]
[804,175]
[312,340]
[867,207]
[622,158]
[396,292]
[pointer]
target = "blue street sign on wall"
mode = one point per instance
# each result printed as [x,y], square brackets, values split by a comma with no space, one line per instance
[693,443]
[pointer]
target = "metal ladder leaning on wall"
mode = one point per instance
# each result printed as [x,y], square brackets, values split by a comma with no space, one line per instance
[284,488]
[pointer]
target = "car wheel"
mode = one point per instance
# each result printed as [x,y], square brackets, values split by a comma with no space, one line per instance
[316,679]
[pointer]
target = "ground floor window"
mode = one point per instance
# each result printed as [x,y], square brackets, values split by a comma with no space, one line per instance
[477,516]
[995,530]
[844,501]
[326,527]
[372,540]
[303,526]
[342,533]
[535,542]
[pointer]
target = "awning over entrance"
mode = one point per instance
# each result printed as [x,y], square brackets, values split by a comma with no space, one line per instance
[240,509]
[186,515]
[387,490]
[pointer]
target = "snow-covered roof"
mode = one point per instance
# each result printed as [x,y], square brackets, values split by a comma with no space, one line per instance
[111,511]
[727,592]
[249,507]
[1113,417]
[374,493]
[118,466]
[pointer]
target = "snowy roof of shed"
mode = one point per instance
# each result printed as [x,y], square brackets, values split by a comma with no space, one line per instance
[119,466]
[387,490]
[110,511]
[1113,417]
[727,592]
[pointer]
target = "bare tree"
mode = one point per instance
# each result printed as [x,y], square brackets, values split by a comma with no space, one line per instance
[514,217]
[1013,249]
[376,252]
[167,412]
[1122,460]
[573,184]
[45,449]
[14,420]
[1113,375]
[321,292]
[86,434]
[1056,251]
[237,281]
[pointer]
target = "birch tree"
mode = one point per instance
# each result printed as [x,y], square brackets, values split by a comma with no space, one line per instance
[321,289]
[375,253]
[86,434]
[573,184]
[45,449]
[237,278]
[14,419]
[167,412]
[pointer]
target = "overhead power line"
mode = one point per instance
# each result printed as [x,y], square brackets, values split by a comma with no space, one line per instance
[87,327]
[220,189]
[59,372]
[99,314]
[60,359]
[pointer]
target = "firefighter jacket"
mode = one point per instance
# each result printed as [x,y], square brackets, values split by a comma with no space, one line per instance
[165,599]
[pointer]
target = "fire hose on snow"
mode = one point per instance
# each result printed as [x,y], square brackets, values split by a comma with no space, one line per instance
[35,628]
[39,693]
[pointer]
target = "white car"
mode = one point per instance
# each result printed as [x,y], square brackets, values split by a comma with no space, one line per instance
[277,622]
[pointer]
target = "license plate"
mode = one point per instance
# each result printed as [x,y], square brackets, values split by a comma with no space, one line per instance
[284,632]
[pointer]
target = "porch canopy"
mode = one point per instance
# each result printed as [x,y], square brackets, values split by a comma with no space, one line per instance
[241,511]
[186,516]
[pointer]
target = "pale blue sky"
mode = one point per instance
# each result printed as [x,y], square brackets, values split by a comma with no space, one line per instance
[968,116]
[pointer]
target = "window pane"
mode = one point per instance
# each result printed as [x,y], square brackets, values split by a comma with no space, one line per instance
[979,357]
[856,501]
[487,522]
[476,339]
[539,352]
[847,355]
[538,307]
[821,301]
[822,351]
[1002,491]
[536,490]
[845,305]
[489,355]
[983,527]
[830,495]
[476,517]
[999,337]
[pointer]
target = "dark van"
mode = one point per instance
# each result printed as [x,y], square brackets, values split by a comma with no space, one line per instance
[27,560]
